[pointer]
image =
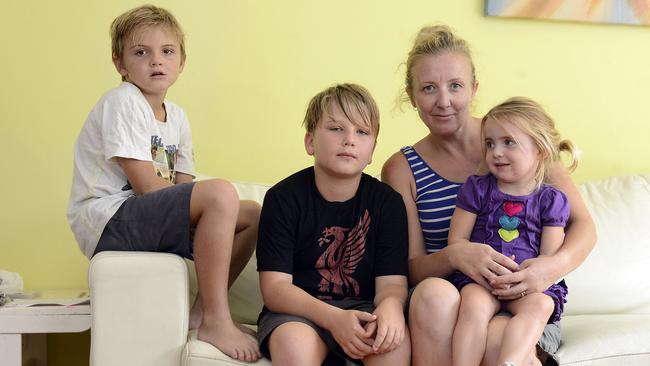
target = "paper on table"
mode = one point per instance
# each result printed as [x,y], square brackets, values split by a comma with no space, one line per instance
[49,298]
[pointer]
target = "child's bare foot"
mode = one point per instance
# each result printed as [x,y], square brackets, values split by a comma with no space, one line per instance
[230,340]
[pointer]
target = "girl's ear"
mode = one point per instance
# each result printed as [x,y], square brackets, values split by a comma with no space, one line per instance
[309,143]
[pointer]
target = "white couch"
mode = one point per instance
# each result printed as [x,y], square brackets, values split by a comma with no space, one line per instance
[140,301]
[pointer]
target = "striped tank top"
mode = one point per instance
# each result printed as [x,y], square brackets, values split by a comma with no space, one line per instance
[435,200]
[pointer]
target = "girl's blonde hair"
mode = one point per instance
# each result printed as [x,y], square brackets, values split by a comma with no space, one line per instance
[434,40]
[349,98]
[531,119]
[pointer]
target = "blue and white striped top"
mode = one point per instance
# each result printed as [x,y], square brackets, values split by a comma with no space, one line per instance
[435,201]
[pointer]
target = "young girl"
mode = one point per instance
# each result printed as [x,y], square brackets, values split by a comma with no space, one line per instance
[515,212]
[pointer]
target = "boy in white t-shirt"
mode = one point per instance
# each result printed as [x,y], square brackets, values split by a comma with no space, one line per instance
[133,168]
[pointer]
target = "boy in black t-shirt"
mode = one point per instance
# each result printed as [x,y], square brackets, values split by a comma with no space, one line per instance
[332,247]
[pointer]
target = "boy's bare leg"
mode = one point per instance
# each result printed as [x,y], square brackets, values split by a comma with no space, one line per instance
[399,356]
[432,316]
[477,307]
[531,314]
[214,208]
[243,247]
[298,344]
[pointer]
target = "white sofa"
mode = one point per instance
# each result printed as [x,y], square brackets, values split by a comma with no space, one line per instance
[140,301]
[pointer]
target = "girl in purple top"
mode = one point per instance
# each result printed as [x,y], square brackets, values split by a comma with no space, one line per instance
[516,213]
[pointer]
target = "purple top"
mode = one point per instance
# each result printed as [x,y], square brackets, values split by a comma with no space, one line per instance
[511,224]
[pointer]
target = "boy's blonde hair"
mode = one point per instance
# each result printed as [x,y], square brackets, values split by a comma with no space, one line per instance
[349,98]
[531,119]
[434,40]
[125,25]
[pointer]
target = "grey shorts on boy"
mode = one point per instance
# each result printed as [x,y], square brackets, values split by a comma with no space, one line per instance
[154,222]
[268,321]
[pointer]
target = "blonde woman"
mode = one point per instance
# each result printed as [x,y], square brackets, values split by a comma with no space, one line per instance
[441,84]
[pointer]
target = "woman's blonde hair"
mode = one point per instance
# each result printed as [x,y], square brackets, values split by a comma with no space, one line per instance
[434,40]
[349,98]
[531,119]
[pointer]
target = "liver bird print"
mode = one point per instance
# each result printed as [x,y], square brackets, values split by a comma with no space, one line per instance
[343,254]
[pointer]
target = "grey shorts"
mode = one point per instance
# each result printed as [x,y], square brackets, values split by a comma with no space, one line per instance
[154,222]
[268,321]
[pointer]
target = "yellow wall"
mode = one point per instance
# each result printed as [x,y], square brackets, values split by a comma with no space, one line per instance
[253,65]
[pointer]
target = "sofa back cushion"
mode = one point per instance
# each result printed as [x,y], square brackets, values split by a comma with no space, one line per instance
[615,278]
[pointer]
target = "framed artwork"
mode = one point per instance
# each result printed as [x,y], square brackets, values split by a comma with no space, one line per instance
[635,12]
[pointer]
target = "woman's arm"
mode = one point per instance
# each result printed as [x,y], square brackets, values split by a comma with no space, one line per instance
[472,259]
[537,274]
[397,174]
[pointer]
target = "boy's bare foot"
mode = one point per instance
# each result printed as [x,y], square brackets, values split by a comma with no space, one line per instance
[230,340]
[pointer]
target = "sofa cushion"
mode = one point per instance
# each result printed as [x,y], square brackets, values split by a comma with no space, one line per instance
[605,340]
[614,278]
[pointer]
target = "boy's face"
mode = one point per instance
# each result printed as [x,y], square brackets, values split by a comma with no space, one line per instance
[340,148]
[151,60]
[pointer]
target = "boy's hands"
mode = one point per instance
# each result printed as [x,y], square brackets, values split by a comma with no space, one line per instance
[347,329]
[389,328]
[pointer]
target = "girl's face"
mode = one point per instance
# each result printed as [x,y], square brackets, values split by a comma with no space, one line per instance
[442,91]
[511,155]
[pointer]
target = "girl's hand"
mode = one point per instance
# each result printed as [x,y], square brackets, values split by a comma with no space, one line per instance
[390,326]
[480,262]
[346,328]
[534,275]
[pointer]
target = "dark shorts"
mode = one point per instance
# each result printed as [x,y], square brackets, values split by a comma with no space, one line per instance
[268,321]
[547,345]
[154,222]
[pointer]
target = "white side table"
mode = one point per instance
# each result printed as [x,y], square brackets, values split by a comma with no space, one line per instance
[16,321]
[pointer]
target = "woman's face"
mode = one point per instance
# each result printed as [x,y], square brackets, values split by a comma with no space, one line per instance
[442,91]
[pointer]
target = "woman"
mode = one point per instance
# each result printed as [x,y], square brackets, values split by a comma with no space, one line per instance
[441,84]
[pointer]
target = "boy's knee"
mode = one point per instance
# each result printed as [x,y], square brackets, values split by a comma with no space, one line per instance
[295,339]
[217,192]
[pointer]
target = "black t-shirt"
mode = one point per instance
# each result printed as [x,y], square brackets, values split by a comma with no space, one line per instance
[334,250]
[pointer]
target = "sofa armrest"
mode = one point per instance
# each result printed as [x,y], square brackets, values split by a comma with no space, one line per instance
[140,308]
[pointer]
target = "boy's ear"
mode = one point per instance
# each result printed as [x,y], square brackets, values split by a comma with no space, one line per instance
[309,143]
[182,66]
[119,66]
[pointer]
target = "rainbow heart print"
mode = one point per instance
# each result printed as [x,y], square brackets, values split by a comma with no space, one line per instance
[509,222]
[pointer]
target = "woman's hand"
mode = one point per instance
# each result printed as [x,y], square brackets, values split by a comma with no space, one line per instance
[481,263]
[534,275]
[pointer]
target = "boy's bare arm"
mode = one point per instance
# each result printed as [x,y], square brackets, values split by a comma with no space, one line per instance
[282,296]
[141,175]
[390,297]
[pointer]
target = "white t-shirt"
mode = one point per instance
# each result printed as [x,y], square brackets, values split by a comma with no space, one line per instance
[122,124]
